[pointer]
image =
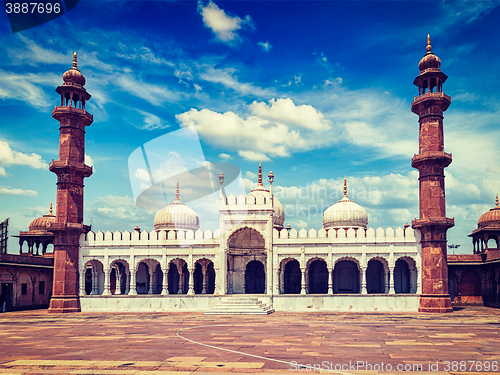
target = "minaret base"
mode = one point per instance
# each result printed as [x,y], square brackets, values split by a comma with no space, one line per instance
[435,303]
[64,304]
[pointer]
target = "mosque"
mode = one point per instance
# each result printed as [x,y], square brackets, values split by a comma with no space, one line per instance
[253,263]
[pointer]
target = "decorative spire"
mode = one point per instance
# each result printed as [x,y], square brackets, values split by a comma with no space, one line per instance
[345,186]
[429,43]
[259,181]
[50,207]
[177,192]
[75,63]
[496,202]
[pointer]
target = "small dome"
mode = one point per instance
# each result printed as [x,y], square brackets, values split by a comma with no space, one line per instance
[74,76]
[176,216]
[490,218]
[345,214]
[429,60]
[42,223]
[279,211]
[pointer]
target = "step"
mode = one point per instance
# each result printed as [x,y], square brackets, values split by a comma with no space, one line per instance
[240,306]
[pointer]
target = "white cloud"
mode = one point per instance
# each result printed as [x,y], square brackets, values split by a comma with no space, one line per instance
[14,191]
[266,46]
[225,156]
[224,27]
[2,172]
[26,87]
[142,175]
[273,129]
[89,161]
[285,111]
[251,175]
[227,78]
[10,157]
[151,122]
[253,156]
[154,94]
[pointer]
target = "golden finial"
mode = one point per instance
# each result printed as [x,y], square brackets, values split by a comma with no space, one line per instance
[50,207]
[75,63]
[177,192]
[428,43]
[259,181]
[345,186]
[496,202]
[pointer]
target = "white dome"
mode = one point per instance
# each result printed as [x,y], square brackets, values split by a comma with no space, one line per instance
[177,216]
[345,214]
[278,212]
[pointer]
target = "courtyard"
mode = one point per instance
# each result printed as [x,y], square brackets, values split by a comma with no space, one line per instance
[35,342]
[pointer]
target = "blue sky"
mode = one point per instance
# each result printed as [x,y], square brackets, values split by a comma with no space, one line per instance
[314,90]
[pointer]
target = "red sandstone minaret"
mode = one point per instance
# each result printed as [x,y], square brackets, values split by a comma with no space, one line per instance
[70,170]
[430,162]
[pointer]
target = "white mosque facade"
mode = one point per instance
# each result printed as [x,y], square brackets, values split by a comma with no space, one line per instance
[343,266]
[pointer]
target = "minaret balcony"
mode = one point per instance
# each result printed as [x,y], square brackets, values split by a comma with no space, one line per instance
[418,102]
[60,111]
[67,166]
[436,222]
[443,158]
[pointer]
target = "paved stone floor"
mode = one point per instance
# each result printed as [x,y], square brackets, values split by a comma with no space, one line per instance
[35,342]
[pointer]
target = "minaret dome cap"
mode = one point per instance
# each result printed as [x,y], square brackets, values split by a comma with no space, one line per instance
[73,76]
[430,60]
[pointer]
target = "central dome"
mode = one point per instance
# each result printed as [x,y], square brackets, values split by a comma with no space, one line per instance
[176,216]
[345,214]
[279,212]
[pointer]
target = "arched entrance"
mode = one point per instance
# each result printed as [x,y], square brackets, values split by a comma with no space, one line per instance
[246,260]
[401,277]
[346,277]
[292,277]
[318,277]
[375,277]
[255,278]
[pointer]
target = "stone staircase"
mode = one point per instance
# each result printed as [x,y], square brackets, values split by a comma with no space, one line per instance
[240,305]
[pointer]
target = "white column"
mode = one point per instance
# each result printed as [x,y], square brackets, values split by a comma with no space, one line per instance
[82,282]
[391,281]
[152,278]
[164,289]
[95,288]
[269,272]
[107,290]
[191,282]
[132,286]
[204,281]
[127,282]
[386,281]
[330,280]
[282,282]
[302,280]
[181,282]
[118,277]
[419,284]
[363,280]
[276,276]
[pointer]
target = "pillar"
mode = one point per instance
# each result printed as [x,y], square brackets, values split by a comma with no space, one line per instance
[302,280]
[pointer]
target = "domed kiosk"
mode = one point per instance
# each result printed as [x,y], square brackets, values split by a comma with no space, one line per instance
[486,237]
[38,234]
